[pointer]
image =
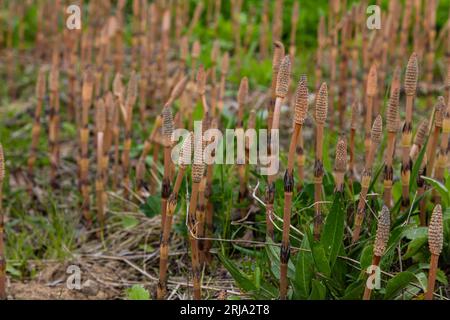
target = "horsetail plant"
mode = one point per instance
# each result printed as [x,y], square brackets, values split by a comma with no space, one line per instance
[100,127]
[320,117]
[301,109]
[118,91]
[53,85]
[40,95]
[242,101]
[353,128]
[2,229]
[411,76]
[127,114]
[442,158]
[435,244]
[281,89]
[167,130]
[340,164]
[392,128]
[371,92]
[381,239]
[439,110]
[375,138]
[198,168]
[87,92]
[183,161]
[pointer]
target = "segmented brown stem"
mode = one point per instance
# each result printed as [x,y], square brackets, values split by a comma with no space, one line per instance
[2,229]
[40,95]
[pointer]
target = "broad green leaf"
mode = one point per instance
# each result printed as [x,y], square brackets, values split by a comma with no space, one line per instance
[414,246]
[333,232]
[303,272]
[397,283]
[273,252]
[320,260]
[366,257]
[442,189]
[242,280]
[318,291]
[129,222]
[354,291]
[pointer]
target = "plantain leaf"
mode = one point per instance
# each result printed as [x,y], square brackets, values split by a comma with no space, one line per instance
[303,272]
[397,283]
[333,232]
[441,188]
[414,246]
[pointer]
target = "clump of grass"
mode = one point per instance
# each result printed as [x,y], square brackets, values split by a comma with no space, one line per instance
[375,138]
[301,109]
[381,239]
[411,77]
[435,243]
[320,117]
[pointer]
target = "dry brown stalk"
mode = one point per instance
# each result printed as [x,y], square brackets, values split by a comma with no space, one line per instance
[435,243]
[404,31]
[87,92]
[277,22]
[419,139]
[183,161]
[320,117]
[40,95]
[195,54]
[321,46]
[100,122]
[375,138]
[214,87]
[333,71]
[198,168]
[294,23]
[392,129]
[2,229]
[223,77]
[118,91]
[343,66]
[201,88]
[353,128]
[53,132]
[381,239]
[411,76]
[127,115]
[371,92]
[264,42]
